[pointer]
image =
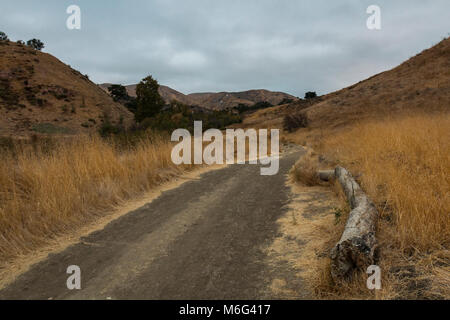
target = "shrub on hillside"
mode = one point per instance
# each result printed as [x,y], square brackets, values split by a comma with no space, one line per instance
[118,92]
[7,94]
[285,101]
[3,36]
[35,44]
[258,105]
[310,95]
[295,121]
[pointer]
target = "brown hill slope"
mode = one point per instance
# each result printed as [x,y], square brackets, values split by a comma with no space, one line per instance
[223,100]
[215,100]
[421,84]
[40,94]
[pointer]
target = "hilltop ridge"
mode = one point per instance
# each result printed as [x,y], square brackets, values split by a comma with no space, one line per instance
[39,94]
[215,100]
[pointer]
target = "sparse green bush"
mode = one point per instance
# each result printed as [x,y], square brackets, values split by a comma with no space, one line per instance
[241,108]
[8,95]
[49,128]
[107,128]
[35,44]
[118,92]
[286,101]
[291,122]
[3,36]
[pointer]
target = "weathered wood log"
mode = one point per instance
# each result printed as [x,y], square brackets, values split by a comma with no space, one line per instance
[326,175]
[357,247]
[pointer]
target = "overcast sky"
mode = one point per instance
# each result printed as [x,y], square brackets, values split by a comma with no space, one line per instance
[210,45]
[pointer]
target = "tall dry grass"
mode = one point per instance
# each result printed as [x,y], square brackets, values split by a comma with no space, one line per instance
[45,192]
[305,169]
[405,165]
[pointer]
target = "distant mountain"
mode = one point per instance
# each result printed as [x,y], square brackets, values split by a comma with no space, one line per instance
[41,95]
[215,101]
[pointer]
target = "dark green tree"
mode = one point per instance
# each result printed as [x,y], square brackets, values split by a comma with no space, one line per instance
[310,95]
[149,101]
[118,92]
[35,44]
[3,36]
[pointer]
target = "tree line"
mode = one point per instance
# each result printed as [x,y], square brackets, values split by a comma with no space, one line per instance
[152,112]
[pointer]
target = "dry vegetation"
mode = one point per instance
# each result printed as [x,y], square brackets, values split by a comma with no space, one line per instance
[305,169]
[391,131]
[47,191]
[403,164]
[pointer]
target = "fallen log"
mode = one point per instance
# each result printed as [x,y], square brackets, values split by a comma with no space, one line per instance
[357,247]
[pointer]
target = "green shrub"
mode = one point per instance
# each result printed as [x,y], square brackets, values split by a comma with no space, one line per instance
[285,101]
[8,95]
[35,44]
[291,122]
[241,108]
[49,128]
[310,95]
[3,36]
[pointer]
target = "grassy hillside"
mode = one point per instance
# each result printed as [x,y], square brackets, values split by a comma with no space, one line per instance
[420,84]
[392,132]
[41,95]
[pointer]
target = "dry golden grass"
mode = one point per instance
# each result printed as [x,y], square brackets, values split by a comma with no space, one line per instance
[305,169]
[404,164]
[44,194]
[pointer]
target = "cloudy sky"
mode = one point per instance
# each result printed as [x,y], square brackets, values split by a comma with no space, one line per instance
[210,45]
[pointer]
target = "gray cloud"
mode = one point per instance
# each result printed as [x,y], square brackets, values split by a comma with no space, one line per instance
[208,45]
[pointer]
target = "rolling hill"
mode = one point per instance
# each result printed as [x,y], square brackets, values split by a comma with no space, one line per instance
[41,95]
[420,84]
[215,100]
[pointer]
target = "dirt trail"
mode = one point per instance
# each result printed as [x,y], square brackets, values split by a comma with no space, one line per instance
[206,239]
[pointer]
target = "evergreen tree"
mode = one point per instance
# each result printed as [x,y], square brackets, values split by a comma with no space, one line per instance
[149,101]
